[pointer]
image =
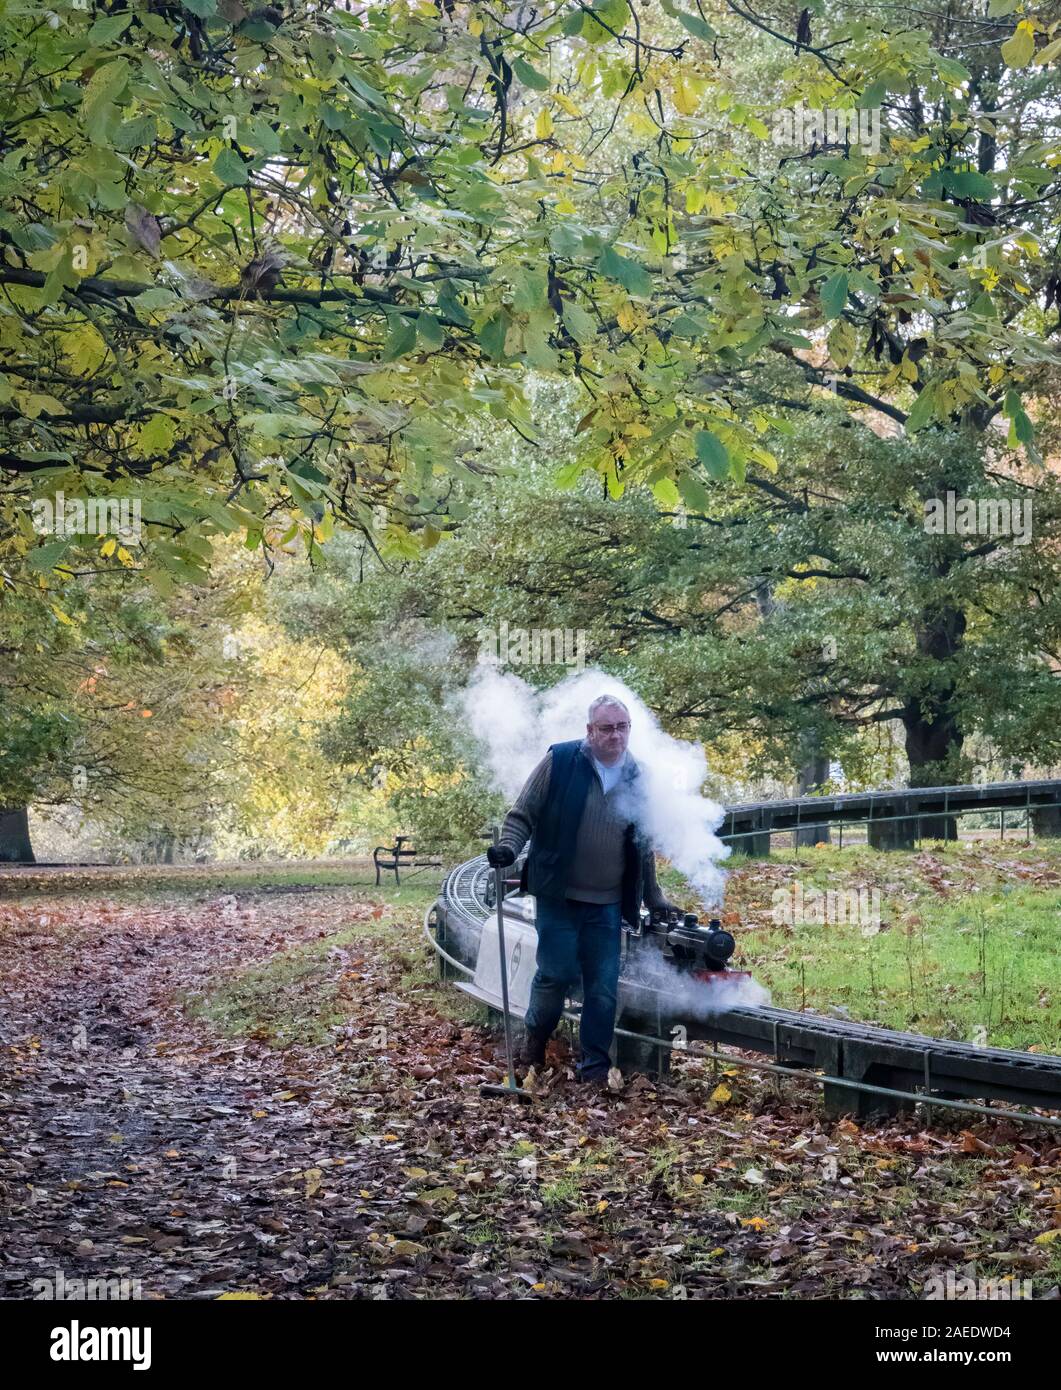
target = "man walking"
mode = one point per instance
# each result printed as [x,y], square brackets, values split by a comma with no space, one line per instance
[588,868]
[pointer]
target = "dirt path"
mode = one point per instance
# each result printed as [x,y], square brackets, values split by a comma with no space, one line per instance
[138,1142]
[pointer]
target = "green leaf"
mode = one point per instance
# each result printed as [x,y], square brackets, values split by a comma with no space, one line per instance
[695,496]
[99,113]
[578,323]
[967,183]
[1023,427]
[430,332]
[613,13]
[685,326]
[950,70]
[230,169]
[530,77]
[699,28]
[633,276]
[203,8]
[873,95]
[46,557]
[492,336]
[107,29]
[834,295]
[451,307]
[665,493]
[922,411]
[712,453]
[401,338]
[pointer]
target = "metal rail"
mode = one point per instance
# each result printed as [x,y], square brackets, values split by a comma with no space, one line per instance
[914,1097]
[902,808]
[845,1056]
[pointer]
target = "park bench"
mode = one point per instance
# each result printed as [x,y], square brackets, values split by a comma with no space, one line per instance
[397,856]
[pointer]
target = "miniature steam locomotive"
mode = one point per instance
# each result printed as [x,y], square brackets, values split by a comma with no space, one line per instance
[679,942]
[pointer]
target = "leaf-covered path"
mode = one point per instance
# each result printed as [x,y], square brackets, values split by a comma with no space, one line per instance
[261,1093]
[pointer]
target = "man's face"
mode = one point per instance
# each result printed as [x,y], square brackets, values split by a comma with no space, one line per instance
[608,734]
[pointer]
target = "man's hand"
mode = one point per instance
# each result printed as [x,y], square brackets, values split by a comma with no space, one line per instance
[500,856]
[667,908]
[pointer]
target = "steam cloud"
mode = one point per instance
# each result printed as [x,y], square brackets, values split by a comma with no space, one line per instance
[691,998]
[515,724]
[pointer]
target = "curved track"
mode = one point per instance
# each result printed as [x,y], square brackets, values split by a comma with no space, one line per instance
[855,1052]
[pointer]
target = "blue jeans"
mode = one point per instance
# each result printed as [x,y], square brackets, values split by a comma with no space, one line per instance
[578,941]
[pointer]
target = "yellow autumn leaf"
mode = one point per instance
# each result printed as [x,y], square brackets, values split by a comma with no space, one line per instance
[755,1223]
[602,1205]
[1048,1237]
[657,1283]
[236,1294]
[698,1179]
[108,547]
[640,124]
[684,99]
[567,104]
[721,1093]
[1018,49]
[475,26]
[543,126]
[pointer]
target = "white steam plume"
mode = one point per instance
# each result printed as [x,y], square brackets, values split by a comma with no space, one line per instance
[515,724]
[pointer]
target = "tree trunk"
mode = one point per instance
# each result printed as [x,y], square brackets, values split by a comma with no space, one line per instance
[1046,822]
[15,847]
[934,736]
[813,773]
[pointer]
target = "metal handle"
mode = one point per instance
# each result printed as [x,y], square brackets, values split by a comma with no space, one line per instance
[499,894]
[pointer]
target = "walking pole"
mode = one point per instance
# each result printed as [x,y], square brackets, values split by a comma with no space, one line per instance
[511,1089]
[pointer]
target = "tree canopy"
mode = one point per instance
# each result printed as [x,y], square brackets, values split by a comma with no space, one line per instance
[272,272]
[261,267]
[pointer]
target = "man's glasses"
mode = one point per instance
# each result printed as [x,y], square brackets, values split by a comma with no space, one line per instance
[612,728]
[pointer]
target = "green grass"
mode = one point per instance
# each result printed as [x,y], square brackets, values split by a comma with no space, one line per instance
[290,998]
[966,951]
[293,997]
[134,881]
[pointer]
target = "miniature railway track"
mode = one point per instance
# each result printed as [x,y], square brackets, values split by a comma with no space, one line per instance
[893,818]
[847,1050]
